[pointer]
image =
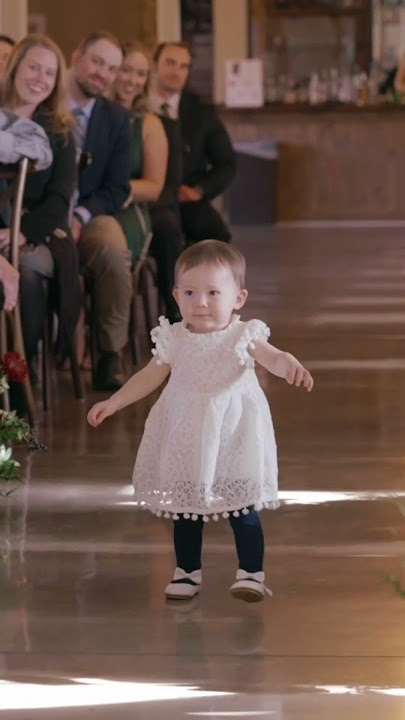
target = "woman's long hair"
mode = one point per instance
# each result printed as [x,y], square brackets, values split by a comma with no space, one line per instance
[55,106]
[140,105]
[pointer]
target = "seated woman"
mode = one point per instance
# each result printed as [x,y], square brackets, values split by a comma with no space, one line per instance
[157,170]
[149,148]
[34,88]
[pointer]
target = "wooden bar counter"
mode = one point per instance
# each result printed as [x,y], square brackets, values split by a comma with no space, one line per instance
[336,162]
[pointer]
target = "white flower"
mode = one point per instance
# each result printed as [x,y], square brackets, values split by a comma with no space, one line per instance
[5,454]
[3,384]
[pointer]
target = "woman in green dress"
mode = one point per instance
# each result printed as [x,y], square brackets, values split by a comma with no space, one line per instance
[149,147]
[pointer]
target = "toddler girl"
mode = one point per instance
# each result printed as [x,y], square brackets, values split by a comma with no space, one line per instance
[208,448]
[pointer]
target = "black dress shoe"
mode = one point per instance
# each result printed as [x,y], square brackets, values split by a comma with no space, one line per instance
[108,375]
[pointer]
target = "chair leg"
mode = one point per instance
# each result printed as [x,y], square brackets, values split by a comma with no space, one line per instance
[93,350]
[146,302]
[5,398]
[46,363]
[18,345]
[75,369]
[133,334]
[90,321]
[133,319]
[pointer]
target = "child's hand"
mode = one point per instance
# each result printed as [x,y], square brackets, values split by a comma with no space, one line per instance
[99,412]
[288,367]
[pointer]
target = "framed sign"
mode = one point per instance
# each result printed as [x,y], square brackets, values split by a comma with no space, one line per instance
[244,83]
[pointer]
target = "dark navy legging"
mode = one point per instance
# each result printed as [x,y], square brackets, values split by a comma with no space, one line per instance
[249,540]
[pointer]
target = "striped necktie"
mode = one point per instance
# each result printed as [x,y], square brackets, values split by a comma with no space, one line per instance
[80,128]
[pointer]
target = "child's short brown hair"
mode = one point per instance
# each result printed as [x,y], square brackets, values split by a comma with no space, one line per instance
[212,252]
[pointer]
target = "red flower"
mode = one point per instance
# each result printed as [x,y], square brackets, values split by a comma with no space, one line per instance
[14,367]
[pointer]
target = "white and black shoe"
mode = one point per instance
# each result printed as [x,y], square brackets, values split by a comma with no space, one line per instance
[184,586]
[249,587]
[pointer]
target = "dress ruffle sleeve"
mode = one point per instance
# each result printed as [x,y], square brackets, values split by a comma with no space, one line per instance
[164,338]
[254,330]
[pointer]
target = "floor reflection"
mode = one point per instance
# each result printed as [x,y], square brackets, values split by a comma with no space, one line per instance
[84,626]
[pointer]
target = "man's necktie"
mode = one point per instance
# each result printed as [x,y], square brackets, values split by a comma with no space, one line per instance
[79,134]
[80,129]
[165,109]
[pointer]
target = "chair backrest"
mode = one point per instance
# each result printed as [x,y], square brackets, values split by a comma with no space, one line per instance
[14,194]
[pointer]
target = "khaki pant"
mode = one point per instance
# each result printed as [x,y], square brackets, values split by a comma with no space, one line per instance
[106,261]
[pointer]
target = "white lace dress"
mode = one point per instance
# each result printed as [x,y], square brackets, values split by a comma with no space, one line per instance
[208,446]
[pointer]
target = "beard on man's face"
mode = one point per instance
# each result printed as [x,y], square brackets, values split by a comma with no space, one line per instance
[90,90]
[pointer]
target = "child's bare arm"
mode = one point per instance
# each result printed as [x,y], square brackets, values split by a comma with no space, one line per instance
[282,364]
[137,387]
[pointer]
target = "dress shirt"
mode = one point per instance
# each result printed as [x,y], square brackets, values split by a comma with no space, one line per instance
[168,107]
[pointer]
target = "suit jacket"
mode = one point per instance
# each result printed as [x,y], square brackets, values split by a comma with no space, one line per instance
[208,156]
[174,173]
[104,182]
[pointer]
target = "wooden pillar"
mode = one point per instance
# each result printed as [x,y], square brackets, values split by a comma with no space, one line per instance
[14,18]
[168,24]
[230,38]
[231,32]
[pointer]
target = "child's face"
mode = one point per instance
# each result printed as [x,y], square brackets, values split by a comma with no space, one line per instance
[206,296]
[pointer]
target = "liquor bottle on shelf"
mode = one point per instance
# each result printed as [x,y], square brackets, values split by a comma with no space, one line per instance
[290,95]
[314,94]
[333,85]
[346,90]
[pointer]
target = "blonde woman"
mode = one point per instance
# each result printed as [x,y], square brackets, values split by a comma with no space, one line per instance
[149,146]
[34,87]
[156,173]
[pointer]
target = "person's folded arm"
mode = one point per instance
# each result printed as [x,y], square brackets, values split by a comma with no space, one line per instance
[155,156]
[220,156]
[52,211]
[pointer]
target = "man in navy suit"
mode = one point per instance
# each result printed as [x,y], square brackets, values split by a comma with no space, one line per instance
[103,142]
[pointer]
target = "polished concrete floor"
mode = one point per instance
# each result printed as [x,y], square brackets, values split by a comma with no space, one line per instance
[84,627]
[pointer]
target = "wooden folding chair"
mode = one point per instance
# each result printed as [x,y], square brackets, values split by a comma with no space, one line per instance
[47,335]
[13,340]
[138,285]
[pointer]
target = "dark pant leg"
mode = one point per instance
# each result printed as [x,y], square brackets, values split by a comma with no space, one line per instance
[201,221]
[33,309]
[166,246]
[188,537]
[249,541]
